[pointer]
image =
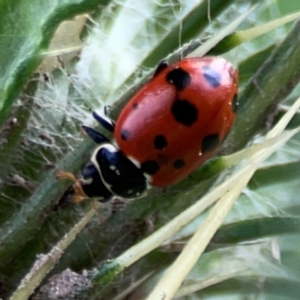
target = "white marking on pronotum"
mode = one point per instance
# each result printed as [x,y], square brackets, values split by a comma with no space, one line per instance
[148,177]
[86,181]
[135,162]
[114,168]
[141,195]
[110,148]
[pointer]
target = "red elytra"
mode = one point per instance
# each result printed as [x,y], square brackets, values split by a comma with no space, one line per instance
[179,118]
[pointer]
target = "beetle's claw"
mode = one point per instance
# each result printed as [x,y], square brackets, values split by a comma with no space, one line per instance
[66,175]
[79,193]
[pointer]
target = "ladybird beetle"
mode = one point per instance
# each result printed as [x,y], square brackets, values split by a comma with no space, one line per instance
[172,125]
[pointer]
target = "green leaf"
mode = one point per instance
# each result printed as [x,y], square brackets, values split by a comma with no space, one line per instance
[235,39]
[25,32]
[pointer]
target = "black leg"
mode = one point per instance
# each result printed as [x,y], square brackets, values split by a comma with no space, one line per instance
[161,66]
[105,122]
[106,110]
[96,136]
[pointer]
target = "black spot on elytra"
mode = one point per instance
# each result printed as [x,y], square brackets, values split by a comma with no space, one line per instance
[210,143]
[125,134]
[184,112]
[212,77]
[179,78]
[161,66]
[135,106]
[150,167]
[235,103]
[178,164]
[160,142]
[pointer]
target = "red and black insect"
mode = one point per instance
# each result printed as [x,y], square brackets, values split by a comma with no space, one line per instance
[172,125]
